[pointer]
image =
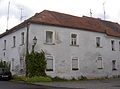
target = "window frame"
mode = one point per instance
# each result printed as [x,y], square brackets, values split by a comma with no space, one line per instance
[5,44]
[22,38]
[113,45]
[53,37]
[50,58]
[74,41]
[100,62]
[14,41]
[114,65]
[75,69]
[98,42]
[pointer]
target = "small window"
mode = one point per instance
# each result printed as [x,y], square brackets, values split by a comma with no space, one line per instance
[114,65]
[14,41]
[99,63]
[98,42]
[4,45]
[12,64]
[49,37]
[49,66]
[73,39]
[119,45]
[21,62]
[113,45]
[22,38]
[75,64]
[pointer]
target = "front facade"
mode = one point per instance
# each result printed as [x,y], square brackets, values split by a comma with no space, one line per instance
[71,52]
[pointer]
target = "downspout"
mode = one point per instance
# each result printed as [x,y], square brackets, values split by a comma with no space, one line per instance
[27,50]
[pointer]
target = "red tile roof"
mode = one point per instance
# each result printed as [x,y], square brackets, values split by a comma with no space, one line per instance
[65,20]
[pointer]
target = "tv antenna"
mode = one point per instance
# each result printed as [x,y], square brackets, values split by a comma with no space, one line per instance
[104,10]
[8,15]
[90,13]
[21,13]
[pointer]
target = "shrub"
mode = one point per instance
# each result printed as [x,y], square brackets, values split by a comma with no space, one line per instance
[36,64]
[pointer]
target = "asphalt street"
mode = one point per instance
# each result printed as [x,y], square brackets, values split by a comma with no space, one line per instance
[17,85]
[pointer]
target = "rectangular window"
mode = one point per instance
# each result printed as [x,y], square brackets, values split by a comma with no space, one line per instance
[14,41]
[12,64]
[98,42]
[49,37]
[22,38]
[4,45]
[21,62]
[73,39]
[119,45]
[75,64]
[114,65]
[49,66]
[99,63]
[113,45]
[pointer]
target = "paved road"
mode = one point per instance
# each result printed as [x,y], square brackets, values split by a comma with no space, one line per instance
[14,85]
[91,84]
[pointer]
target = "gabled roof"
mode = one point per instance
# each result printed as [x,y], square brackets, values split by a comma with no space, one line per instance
[65,20]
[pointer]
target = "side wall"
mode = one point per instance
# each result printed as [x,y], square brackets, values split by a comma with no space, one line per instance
[14,55]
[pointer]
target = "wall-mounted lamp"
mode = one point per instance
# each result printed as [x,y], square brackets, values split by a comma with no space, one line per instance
[34,43]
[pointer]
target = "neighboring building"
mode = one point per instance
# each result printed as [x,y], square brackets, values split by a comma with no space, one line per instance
[74,46]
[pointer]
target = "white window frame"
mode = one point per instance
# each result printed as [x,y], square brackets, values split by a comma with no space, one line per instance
[22,38]
[113,45]
[52,58]
[72,40]
[53,37]
[119,45]
[98,42]
[75,69]
[5,43]
[14,41]
[114,65]
[100,62]
[13,64]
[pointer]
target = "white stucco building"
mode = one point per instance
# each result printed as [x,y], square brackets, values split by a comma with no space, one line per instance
[74,46]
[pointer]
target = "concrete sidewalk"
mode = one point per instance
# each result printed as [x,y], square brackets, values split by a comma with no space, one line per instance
[91,84]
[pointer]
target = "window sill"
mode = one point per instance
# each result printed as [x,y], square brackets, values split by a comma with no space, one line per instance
[49,43]
[100,68]
[75,69]
[13,47]
[22,44]
[74,45]
[99,47]
[114,69]
[4,49]
[49,69]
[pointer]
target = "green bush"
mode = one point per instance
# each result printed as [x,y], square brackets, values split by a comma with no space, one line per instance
[36,64]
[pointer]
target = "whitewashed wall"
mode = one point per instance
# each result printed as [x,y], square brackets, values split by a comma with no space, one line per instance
[87,52]
[63,52]
[13,52]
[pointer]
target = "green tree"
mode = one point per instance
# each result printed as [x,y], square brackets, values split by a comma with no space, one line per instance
[36,64]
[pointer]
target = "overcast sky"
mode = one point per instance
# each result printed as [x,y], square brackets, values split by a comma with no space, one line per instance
[73,7]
